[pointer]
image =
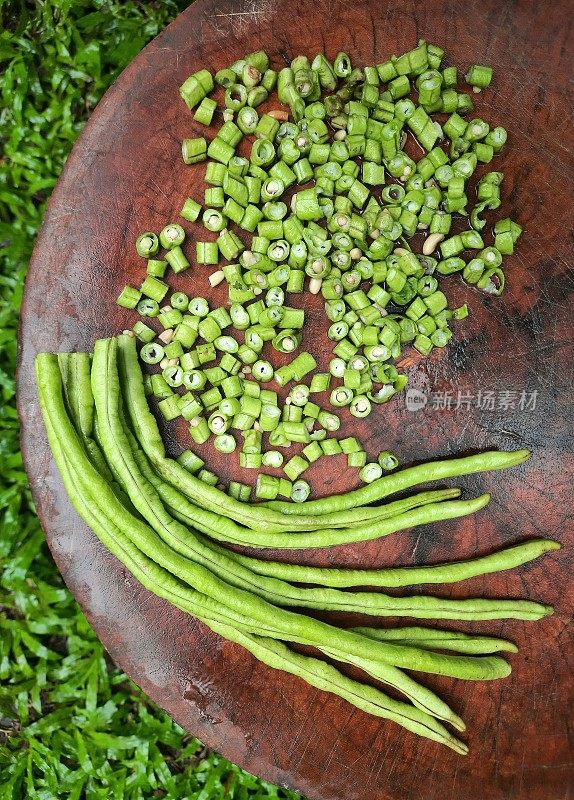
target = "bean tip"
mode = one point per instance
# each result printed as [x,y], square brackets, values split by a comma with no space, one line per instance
[517,457]
[459,747]
[504,459]
[457,723]
[551,544]
[520,456]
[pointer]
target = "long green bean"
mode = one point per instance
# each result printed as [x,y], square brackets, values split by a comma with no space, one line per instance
[419,696]
[396,577]
[406,479]
[326,677]
[75,369]
[436,639]
[225,530]
[146,431]
[222,563]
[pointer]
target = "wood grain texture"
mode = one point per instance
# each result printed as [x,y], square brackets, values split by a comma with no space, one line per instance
[125,176]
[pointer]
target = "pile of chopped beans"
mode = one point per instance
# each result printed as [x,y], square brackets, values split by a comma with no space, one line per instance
[326,200]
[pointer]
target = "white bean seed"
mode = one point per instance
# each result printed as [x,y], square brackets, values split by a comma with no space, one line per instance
[431,243]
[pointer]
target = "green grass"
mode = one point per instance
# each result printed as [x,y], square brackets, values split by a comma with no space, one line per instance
[71,724]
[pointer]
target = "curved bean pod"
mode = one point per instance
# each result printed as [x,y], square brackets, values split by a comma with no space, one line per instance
[406,479]
[396,577]
[367,698]
[420,696]
[221,562]
[75,370]
[173,473]
[225,530]
[433,638]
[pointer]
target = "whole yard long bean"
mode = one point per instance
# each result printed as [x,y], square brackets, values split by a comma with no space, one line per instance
[75,369]
[435,639]
[395,577]
[226,530]
[369,699]
[223,563]
[420,515]
[422,698]
[390,577]
[406,479]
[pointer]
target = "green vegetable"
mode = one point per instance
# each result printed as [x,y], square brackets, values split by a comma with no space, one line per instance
[94,499]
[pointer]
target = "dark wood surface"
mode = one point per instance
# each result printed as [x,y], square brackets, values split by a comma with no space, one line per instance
[124,176]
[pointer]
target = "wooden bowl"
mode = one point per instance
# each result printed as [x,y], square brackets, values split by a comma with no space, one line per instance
[505,381]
